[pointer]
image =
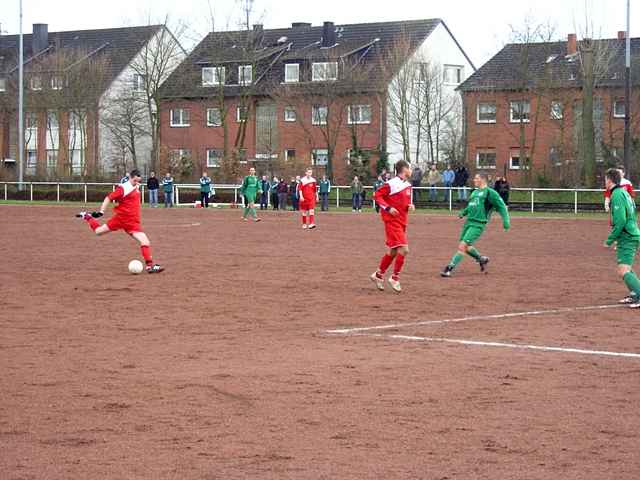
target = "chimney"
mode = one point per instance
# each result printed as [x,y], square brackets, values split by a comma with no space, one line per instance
[328,34]
[622,35]
[40,37]
[300,25]
[572,44]
[258,34]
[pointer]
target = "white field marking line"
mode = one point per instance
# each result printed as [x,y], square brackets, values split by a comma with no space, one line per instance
[344,331]
[517,346]
[182,225]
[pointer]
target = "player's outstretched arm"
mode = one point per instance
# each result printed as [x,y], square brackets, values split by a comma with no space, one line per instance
[105,204]
[502,209]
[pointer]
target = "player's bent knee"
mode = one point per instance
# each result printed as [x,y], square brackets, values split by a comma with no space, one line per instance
[623,269]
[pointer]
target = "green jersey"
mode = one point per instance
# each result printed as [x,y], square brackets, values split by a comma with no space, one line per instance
[623,217]
[481,203]
[250,186]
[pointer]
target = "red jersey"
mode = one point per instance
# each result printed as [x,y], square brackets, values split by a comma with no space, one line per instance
[396,193]
[128,198]
[307,189]
[626,184]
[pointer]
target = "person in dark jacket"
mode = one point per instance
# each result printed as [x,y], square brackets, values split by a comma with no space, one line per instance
[416,181]
[153,186]
[324,190]
[274,192]
[265,187]
[283,193]
[460,181]
[376,186]
[503,188]
[293,192]
[205,190]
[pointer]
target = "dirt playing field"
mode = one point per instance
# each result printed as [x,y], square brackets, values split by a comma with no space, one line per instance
[222,367]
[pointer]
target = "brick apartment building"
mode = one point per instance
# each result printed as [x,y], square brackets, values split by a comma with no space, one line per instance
[535,90]
[287,98]
[68,78]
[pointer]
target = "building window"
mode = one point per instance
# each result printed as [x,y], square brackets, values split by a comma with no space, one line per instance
[214,117]
[53,141]
[486,159]
[31,141]
[324,71]
[180,117]
[138,82]
[52,161]
[36,82]
[242,113]
[520,111]
[557,112]
[213,76]
[291,73]
[214,157]
[515,163]
[290,114]
[319,156]
[245,74]
[56,82]
[319,114]
[242,155]
[486,113]
[3,84]
[76,143]
[359,114]
[554,156]
[289,155]
[618,109]
[453,74]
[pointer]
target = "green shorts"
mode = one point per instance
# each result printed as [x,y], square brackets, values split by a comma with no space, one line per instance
[250,197]
[626,250]
[471,232]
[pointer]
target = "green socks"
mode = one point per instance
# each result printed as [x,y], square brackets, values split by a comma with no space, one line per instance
[254,214]
[632,282]
[457,258]
[245,210]
[472,252]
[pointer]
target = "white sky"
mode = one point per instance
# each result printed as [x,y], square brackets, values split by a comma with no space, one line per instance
[481,26]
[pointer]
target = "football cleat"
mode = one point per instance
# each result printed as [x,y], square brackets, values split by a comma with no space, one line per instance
[446,273]
[628,300]
[483,262]
[378,280]
[634,305]
[155,268]
[395,284]
[256,220]
[82,214]
[304,226]
[312,226]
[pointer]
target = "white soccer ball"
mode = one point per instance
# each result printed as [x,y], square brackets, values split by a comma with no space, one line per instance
[135,267]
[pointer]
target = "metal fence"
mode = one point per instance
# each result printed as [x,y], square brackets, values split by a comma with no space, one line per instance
[529,199]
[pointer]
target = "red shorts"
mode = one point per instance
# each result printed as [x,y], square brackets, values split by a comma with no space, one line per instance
[117,223]
[395,234]
[308,205]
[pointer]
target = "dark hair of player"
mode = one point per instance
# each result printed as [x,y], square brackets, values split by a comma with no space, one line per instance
[135,173]
[401,165]
[621,168]
[614,175]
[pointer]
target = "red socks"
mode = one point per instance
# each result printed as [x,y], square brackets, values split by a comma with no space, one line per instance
[304,219]
[93,223]
[146,253]
[385,262]
[312,219]
[397,268]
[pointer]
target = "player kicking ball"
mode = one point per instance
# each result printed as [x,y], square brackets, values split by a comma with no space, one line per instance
[624,231]
[394,199]
[478,211]
[126,217]
[308,195]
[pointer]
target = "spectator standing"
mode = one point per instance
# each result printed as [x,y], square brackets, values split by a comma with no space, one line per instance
[167,188]
[448,177]
[124,179]
[503,188]
[376,186]
[205,189]
[265,187]
[416,181]
[356,194]
[325,190]
[293,194]
[283,193]
[153,186]
[274,192]
[460,181]
[433,179]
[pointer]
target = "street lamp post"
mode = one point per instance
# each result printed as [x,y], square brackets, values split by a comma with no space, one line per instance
[21,106]
[627,95]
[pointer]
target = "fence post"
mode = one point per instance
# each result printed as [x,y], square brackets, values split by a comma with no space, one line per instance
[177,195]
[85,193]
[142,194]
[575,202]
[338,197]
[31,191]
[450,199]
[5,192]
[58,193]
[235,195]
[532,192]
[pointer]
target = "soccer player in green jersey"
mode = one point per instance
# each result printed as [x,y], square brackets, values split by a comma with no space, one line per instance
[478,212]
[624,232]
[250,190]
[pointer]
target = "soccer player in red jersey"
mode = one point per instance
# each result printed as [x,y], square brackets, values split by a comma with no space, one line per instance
[626,184]
[126,217]
[308,195]
[395,201]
